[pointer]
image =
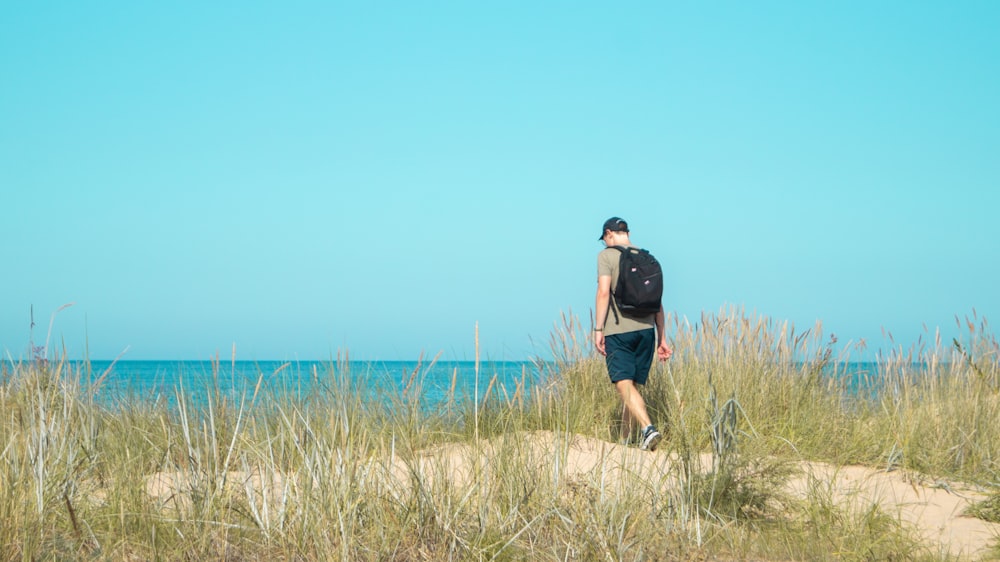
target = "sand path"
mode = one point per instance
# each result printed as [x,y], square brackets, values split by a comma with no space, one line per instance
[934,509]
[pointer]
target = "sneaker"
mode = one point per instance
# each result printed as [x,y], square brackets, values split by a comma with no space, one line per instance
[650,439]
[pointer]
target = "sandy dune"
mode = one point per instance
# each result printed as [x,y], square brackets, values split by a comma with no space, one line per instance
[933,508]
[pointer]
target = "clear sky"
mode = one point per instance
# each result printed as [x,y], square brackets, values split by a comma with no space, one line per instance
[378,177]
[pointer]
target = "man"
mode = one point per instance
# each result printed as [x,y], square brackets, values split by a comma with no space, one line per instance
[627,342]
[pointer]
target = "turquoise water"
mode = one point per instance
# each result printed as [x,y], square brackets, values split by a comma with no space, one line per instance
[375,380]
[161,380]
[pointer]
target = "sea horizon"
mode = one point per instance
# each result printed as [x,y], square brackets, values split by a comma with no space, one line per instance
[437,381]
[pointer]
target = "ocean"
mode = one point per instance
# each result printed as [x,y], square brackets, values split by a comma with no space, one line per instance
[433,383]
[162,380]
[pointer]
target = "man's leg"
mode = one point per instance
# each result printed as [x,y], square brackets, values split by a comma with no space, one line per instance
[627,426]
[629,360]
[633,405]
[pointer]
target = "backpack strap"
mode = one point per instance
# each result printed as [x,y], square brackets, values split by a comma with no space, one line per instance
[614,306]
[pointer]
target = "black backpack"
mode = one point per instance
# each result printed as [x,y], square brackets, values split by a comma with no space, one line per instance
[640,283]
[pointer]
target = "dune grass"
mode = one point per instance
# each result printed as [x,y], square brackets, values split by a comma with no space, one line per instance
[337,475]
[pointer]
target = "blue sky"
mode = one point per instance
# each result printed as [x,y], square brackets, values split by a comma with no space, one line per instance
[298,179]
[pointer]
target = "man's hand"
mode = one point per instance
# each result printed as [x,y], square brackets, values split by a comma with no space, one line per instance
[663,350]
[599,342]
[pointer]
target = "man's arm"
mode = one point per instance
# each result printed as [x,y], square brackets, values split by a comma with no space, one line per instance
[663,350]
[601,311]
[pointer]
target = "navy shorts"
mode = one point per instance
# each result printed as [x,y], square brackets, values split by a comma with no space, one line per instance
[630,355]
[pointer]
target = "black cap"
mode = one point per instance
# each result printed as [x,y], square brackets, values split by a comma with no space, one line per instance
[614,224]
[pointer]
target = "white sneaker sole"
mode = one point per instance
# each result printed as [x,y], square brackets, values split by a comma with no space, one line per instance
[652,441]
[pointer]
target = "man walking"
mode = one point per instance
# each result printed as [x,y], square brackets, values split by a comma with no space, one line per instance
[629,339]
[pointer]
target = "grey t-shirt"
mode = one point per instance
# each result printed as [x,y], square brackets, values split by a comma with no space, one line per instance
[607,264]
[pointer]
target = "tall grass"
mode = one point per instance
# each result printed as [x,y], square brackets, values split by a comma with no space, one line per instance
[336,474]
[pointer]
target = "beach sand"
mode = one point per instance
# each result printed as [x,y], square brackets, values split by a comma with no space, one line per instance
[932,508]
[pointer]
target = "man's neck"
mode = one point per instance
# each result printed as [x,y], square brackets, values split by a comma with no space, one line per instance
[619,239]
